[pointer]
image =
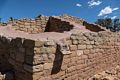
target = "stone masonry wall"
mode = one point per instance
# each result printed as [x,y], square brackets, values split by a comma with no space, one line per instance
[77,20]
[52,24]
[36,25]
[55,24]
[77,57]
[73,19]
[41,24]
[80,56]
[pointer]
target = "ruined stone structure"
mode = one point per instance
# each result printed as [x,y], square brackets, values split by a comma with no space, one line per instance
[56,48]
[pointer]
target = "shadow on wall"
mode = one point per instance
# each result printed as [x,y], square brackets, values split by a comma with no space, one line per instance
[57,25]
[92,27]
[6,68]
[57,61]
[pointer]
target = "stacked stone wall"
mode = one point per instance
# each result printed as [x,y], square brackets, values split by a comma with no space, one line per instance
[89,26]
[79,56]
[73,19]
[55,24]
[36,25]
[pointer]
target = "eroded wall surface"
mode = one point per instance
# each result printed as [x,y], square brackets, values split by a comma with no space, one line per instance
[43,24]
[77,57]
[81,56]
[33,26]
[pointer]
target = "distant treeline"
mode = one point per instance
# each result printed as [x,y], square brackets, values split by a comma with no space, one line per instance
[108,23]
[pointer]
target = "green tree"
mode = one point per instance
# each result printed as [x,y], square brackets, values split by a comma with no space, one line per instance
[0,20]
[113,25]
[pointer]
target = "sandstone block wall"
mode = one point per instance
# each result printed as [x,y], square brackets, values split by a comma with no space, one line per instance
[89,26]
[36,25]
[80,57]
[73,19]
[42,24]
[77,57]
[57,25]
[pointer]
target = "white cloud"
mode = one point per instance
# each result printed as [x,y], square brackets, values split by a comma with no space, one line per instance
[115,9]
[107,10]
[94,3]
[114,17]
[78,5]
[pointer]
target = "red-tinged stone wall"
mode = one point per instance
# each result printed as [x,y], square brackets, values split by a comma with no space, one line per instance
[55,24]
[32,26]
[81,56]
[43,24]
[89,26]
[77,57]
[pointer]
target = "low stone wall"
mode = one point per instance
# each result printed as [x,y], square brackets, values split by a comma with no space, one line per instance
[55,24]
[43,24]
[73,19]
[36,25]
[89,26]
[79,56]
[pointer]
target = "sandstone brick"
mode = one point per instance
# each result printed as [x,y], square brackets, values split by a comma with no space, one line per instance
[48,65]
[70,69]
[73,47]
[20,57]
[29,51]
[66,52]
[79,52]
[11,61]
[89,46]
[39,43]
[72,63]
[37,59]
[31,69]
[68,42]
[37,75]
[80,47]
[66,61]
[49,43]
[51,57]
[73,53]
[73,37]
[86,52]
[75,42]
[37,50]
[64,67]
[29,43]
[61,73]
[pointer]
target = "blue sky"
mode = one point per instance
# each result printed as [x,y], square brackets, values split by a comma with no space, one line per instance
[89,10]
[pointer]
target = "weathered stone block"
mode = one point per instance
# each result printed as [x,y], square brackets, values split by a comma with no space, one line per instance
[29,43]
[31,69]
[48,65]
[39,43]
[89,46]
[80,47]
[29,51]
[75,42]
[70,69]
[49,43]
[66,52]
[37,50]
[79,52]
[73,47]
[20,57]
